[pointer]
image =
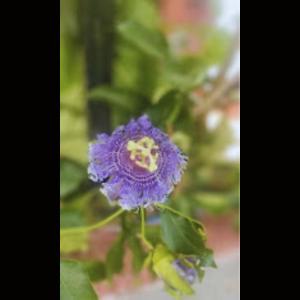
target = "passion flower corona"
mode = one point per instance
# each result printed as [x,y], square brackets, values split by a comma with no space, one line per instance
[137,165]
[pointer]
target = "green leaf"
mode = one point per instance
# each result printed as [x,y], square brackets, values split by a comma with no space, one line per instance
[167,110]
[142,11]
[138,253]
[184,237]
[114,259]
[73,242]
[149,41]
[163,266]
[71,218]
[153,234]
[95,269]
[184,75]
[116,96]
[72,175]
[180,235]
[74,282]
[207,258]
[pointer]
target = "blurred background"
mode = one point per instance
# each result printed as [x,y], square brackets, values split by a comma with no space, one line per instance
[178,61]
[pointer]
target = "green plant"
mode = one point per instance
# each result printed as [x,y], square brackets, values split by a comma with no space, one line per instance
[151,74]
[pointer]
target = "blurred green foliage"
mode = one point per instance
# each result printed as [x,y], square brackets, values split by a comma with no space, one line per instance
[152,73]
[74,282]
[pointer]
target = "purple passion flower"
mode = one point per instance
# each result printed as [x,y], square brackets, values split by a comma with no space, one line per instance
[187,273]
[137,165]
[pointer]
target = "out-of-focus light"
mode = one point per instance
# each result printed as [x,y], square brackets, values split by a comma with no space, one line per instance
[213,119]
[229,14]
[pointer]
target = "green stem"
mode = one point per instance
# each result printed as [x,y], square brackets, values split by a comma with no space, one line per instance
[143,236]
[74,230]
[176,212]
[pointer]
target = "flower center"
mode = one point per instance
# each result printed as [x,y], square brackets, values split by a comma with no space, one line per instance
[144,153]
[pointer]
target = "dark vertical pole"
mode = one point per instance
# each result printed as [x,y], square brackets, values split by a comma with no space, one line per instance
[98,36]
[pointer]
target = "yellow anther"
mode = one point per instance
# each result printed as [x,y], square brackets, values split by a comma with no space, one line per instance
[141,152]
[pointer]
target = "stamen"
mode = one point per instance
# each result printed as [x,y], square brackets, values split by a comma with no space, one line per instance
[144,153]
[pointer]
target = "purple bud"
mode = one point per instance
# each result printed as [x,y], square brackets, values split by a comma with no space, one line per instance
[187,273]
